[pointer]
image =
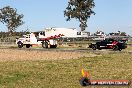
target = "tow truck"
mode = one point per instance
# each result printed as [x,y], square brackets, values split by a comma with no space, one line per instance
[38,38]
[108,44]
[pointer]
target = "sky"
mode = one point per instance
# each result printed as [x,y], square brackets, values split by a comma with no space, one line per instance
[111,15]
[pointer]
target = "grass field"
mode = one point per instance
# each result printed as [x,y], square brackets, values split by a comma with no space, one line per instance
[65,73]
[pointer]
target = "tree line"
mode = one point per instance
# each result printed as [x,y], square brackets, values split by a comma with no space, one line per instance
[14,34]
[5,36]
[11,18]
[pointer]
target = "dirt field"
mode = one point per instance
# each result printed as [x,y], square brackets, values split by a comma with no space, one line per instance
[20,55]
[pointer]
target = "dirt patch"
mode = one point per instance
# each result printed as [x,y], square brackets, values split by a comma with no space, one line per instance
[20,55]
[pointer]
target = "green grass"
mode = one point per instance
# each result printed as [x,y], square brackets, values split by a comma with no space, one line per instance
[65,73]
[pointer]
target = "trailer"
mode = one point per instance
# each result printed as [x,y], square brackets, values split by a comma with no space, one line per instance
[38,38]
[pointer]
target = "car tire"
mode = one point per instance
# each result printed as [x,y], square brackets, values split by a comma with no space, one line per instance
[20,44]
[115,48]
[119,49]
[94,47]
[99,48]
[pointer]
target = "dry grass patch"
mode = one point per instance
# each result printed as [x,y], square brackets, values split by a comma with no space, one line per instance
[129,48]
[20,55]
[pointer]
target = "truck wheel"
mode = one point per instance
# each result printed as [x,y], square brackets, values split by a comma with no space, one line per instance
[45,44]
[94,47]
[115,47]
[20,44]
[53,46]
[28,46]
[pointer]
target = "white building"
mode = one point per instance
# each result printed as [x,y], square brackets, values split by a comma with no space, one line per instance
[67,32]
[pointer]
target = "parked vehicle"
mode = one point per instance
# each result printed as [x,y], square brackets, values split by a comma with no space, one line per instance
[108,44]
[38,38]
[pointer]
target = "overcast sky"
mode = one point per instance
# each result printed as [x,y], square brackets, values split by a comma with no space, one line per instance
[111,15]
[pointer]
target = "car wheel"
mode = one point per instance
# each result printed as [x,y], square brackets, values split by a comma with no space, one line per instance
[120,49]
[115,47]
[94,47]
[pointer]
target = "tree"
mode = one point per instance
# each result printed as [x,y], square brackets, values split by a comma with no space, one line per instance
[81,10]
[10,17]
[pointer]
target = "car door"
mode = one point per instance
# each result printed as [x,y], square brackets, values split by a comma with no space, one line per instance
[110,41]
[103,43]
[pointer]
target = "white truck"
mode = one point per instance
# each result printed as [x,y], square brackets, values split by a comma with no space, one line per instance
[38,38]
